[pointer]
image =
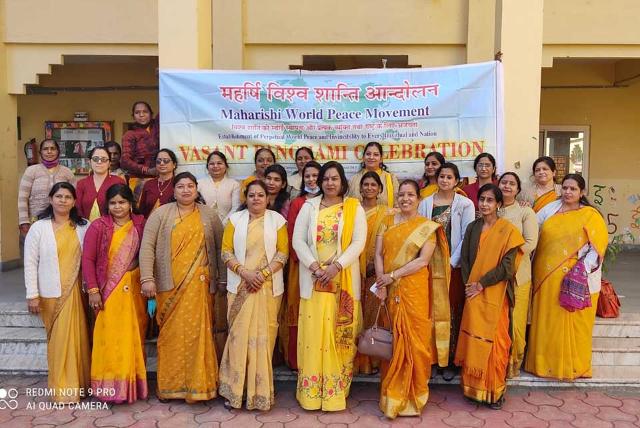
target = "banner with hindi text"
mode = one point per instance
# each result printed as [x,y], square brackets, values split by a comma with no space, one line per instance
[455,110]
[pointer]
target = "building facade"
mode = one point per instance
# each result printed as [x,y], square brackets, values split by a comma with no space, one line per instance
[571,68]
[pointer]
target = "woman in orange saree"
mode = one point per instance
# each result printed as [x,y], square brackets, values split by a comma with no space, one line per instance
[52,254]
[178,257]
[573,235]
[543,190]
[412,263]
[490,257]
[112,277]
[370,189]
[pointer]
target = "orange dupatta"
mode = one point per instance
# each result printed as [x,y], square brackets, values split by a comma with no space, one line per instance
[543,200]
[482,313]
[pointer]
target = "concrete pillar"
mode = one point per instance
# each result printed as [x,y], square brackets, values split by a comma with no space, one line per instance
[481,30]
[184,34]
[228,43]
[519,38]
[9,246]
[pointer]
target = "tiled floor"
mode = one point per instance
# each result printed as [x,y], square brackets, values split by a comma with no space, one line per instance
[568,407]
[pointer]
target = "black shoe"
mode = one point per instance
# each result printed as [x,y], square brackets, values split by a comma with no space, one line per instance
[227,405]
[449,373]
[498,404]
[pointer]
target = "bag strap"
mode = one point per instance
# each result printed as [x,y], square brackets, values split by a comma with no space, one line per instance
[382,305]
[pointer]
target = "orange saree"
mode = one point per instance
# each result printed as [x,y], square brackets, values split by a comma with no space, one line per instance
[484,342]
[404,390]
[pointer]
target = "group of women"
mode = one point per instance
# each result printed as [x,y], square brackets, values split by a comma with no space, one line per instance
[305,261]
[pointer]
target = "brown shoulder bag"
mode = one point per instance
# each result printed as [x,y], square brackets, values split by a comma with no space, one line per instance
[377,341]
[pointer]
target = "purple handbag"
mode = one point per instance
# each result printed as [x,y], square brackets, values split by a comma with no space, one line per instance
[574,289]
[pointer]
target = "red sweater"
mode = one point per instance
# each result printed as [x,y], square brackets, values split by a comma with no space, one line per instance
[86,194]
[139,147]
[151,194]
[95,250]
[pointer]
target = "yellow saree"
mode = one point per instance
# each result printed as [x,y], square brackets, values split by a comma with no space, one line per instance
[484,342]
[369,302]
[118,372]
[326,337]
[559,344]
[245,368]
[187,363]
[404,390]
[65,320]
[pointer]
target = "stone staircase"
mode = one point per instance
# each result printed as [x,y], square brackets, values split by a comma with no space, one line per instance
[616,351]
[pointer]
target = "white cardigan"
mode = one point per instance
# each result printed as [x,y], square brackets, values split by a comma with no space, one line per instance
[304,242]
[272,223]
[41,270]
[462,214]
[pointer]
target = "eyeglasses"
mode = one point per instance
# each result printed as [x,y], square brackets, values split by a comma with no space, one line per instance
[161,161]
[485,165]
[98,159]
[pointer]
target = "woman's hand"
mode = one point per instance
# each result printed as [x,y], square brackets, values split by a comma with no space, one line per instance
[149,289]
[24,229]
[253,279]
[95,301]
[384,280]
[524,204]
[472,289]
[381,293]
[326,275]
[34,305]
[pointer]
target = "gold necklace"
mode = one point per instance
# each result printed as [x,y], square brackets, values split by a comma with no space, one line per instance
[161,190]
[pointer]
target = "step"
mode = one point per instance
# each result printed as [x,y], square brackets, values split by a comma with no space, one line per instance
[626,325]
[20,319]
[616,342]
[616,356]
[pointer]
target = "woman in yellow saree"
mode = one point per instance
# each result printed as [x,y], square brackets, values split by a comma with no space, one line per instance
[490,257]
[52,255]
[112,277]
[543,190]
[370,189]
[328,238]
[255,248]
[372,160]
[573,239]
[179,258]
[412,263]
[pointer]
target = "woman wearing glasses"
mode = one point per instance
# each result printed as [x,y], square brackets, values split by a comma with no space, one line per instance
[92,190]
[485,166]
[158,191]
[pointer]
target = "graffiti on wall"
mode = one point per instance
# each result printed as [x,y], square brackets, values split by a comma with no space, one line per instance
[619,203]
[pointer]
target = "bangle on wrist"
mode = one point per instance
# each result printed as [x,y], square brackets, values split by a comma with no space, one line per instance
[338,265]
[94,290]
[391,275]
[142,281]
